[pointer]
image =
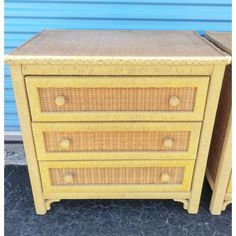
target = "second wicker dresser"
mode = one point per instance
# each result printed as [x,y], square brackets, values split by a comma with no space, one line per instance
[117,114]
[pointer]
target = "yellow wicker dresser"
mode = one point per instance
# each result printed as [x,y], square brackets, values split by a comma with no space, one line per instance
[220,156]
[117,114]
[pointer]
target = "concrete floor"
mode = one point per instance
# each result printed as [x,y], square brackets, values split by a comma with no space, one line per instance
[101,217]
[14,154]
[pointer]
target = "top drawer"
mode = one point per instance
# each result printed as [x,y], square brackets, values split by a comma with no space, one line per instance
[116,98]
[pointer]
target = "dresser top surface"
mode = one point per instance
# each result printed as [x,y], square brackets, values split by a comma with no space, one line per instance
[117,44]
[222,39]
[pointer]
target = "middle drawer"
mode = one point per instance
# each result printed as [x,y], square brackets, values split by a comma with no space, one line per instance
[116,140]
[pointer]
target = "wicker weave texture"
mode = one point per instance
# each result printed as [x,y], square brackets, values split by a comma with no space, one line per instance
[117,43]
[121,175]
[117,141]
[117,99]
[221,122]
[222,39]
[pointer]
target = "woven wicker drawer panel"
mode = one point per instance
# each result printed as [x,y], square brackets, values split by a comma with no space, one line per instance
[117,99]
[116,140]
[121,173]
[95,98]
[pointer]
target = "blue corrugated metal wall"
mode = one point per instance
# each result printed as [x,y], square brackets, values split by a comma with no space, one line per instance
[25,18]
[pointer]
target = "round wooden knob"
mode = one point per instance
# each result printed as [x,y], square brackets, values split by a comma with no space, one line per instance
[60,101]
[68,178]
[65,143]
[174,101]
[168,142]
[165,177]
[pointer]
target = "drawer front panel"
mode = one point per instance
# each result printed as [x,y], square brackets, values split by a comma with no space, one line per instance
[117,141]
[123,175]
[117,175]
[117,99]
[80,98]
[97,141]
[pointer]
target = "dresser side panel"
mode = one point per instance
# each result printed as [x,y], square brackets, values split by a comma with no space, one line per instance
[205,137]
[218,202]
[221,122]
[27,135]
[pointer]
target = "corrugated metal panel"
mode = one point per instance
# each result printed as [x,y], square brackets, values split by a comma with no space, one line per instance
[25,18]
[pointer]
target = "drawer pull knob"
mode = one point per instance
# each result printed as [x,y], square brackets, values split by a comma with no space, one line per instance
[68,178]
[165,177]
[65,143]
[174,101]
[168,142]
[60,101]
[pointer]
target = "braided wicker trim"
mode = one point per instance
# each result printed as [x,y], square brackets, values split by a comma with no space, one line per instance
[143,61]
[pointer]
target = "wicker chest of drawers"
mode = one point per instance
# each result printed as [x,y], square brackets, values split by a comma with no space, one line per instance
[117,114]
[219,166]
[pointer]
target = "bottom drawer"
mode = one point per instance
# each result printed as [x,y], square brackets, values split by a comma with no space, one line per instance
[116,176]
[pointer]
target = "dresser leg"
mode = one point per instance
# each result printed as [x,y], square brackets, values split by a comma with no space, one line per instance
[27,136]
[217,207]
[193,207]
[40,208]
[225,204]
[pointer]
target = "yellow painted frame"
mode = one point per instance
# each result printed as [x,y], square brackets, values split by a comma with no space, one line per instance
[27,136]
[205,137]
[221,196]
[193,127]
[229,188]
[34,82]
[177,196]
[48,188]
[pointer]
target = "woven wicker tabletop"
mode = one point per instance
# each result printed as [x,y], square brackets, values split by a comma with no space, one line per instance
[117,43]
[221,39]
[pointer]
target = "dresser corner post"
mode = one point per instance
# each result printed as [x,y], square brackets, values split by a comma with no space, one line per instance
[218,201]
[205,140]
[27,136]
